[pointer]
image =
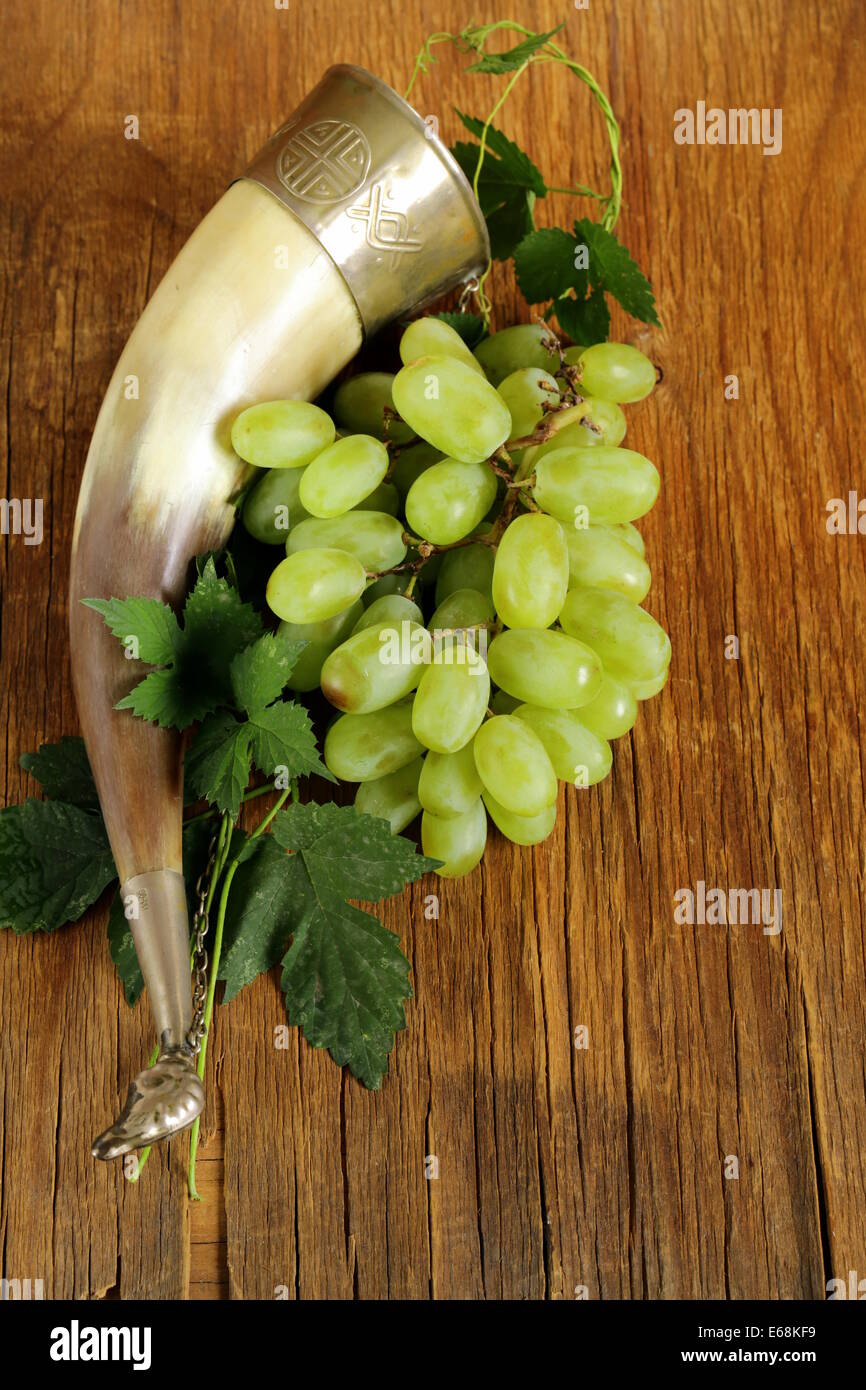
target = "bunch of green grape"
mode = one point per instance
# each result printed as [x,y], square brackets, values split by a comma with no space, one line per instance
[462,563]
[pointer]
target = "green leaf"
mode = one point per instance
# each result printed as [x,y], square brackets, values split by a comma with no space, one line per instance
[586,321]
[611,267]
[217,625]
[259,673]
[513,57]
[217,764]
[160,698]
[344,975]
[55,862]
[508,185]
[544,265]
[64,772]
[263,910]
[351,855]
[469,326]
[195,679]
[150,623]
[122,951]
[512,167]
[508,225]
[281,737]
[345,979]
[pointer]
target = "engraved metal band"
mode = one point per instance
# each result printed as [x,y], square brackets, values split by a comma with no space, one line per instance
[380,191]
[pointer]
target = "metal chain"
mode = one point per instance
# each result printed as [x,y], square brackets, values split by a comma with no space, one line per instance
[199,956]
[469,289]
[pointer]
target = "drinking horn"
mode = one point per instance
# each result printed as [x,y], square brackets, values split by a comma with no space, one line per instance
[352,214]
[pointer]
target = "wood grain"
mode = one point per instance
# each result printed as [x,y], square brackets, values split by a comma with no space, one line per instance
[560,1169]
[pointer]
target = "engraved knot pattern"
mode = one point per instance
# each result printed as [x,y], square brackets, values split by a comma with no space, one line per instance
[324,162]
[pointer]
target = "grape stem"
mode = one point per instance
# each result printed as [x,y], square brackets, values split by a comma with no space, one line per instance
[516,484]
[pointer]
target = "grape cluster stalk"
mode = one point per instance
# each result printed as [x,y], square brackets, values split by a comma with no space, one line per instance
[462,563]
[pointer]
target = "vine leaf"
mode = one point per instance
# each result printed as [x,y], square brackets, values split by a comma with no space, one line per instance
[586,321]
[611,268]
[64,772]
[515,57]
[508,185]
[55,862]
[575,271]
[219,760]
[344,976]
[276,736]
[193,663]
[260,672]
[260,919]
[353,855]
[121,948]
[544,264]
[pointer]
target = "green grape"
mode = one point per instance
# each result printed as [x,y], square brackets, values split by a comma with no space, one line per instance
[449,784]
[631,535]
[271,507]
[530,574]
[312,585]
[281,434]
[343,475]
[360,404]
[411,463]
[374,538]
[646,689]
[627,639]
[432,337]
[577,755]
[513,765]
[514,348]
[469,567]
[321,639]
[452,407]
[451,699]
[462,609]
[394,797]
[528,393]
[384,498]
[616,371]
[388,584]
[543,667]
[389,608]
[522,830]
[361,747]
[574,437]
[600,559]
[366,673]
[503,703]
[613,711]
[607,484]
[447,502]
[574,426]
[458,840]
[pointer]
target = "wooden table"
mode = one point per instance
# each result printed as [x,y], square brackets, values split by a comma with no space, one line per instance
[711,1139]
